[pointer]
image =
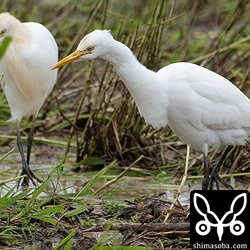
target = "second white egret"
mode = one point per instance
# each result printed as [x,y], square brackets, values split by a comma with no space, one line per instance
[27,76]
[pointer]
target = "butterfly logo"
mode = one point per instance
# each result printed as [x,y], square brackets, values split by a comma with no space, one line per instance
[210,219]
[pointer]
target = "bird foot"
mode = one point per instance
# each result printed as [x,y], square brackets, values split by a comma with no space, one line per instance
[29,176]
[217,179]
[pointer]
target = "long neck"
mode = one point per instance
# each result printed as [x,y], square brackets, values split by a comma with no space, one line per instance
[128,67]
[134,75]
[141,82]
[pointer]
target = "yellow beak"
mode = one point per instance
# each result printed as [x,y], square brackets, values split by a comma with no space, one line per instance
[71,58]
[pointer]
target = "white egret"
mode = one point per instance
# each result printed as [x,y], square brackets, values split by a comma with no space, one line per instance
[27,76]
[202,108]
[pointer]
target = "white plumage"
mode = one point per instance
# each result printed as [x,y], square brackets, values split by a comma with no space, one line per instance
[26,67]
[203,108]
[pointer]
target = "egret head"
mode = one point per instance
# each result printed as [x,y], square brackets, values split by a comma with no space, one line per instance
[8,24]
[94,45]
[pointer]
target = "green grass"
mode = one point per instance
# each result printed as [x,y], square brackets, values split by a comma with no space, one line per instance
[91,119]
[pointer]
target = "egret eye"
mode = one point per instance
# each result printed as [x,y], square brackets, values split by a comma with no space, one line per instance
[3,32]
[91,48]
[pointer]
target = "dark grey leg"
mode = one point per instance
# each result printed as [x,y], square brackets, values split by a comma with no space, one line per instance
[25,167]
[215,173]
[30,139]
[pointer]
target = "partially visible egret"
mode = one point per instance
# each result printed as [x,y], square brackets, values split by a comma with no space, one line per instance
[27,76]
[202,108]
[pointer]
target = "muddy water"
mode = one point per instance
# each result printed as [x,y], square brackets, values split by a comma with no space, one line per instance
[69,183]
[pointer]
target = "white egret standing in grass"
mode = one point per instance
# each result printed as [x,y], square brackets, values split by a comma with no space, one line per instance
[27,76]
[203,108]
